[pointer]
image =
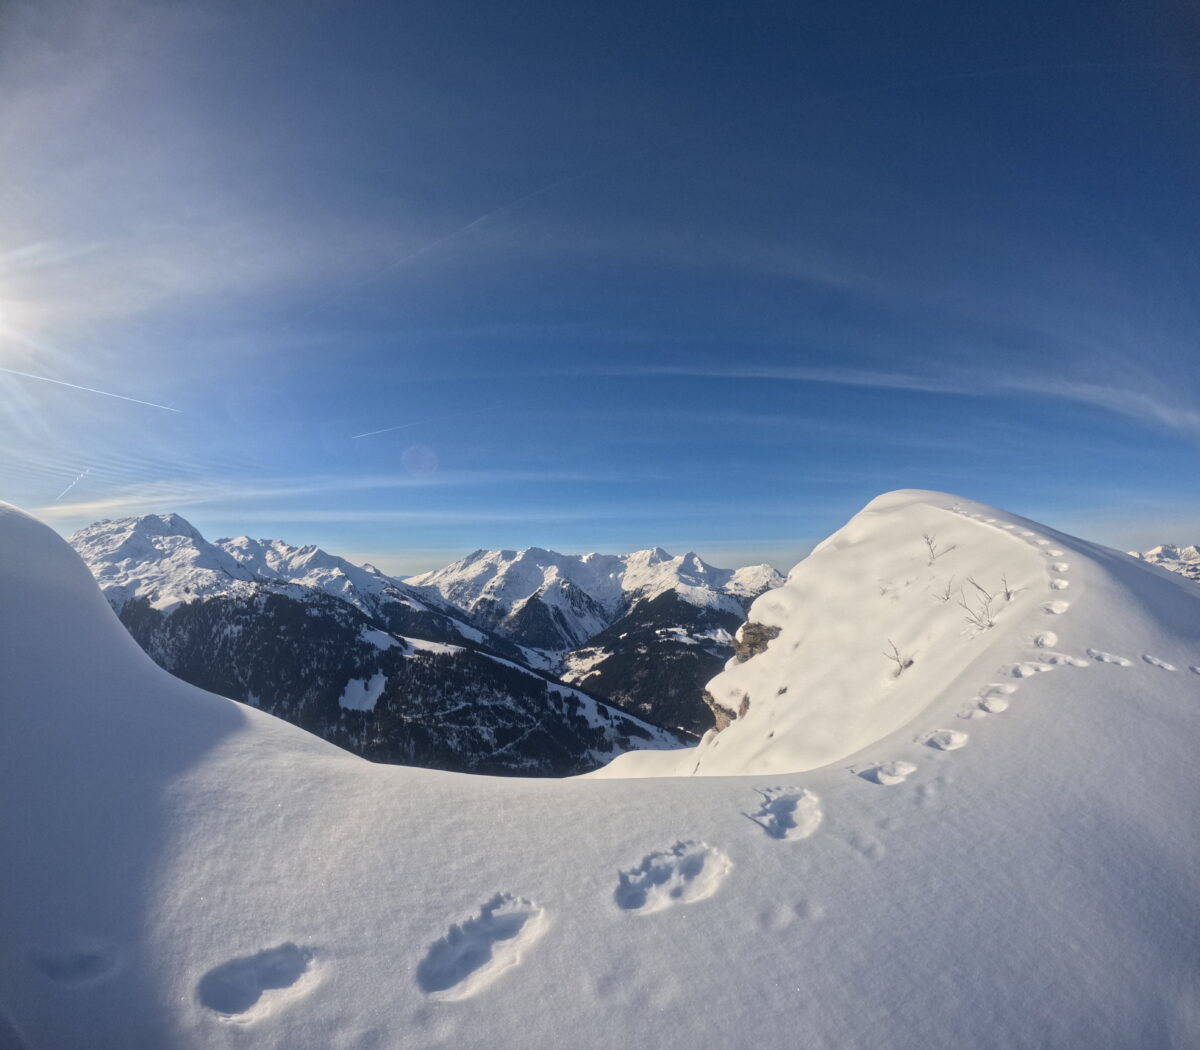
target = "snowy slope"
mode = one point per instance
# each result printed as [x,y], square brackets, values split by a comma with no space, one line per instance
[1183,560]
[181,871]
[558,601]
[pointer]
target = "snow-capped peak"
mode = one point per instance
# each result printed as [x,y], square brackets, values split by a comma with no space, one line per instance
[161,558]
[1183,560]
[584,593]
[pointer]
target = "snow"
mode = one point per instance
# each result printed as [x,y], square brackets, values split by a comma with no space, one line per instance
[610,582]
[361,694]
[1183,560]
[183,871]
[379,639]
[441,648]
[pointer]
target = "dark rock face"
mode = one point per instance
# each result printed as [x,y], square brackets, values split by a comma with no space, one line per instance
[721,716]
[656,659]
[752,639]
[460,709]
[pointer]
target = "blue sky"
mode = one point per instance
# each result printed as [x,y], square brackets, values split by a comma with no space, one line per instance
[409,279]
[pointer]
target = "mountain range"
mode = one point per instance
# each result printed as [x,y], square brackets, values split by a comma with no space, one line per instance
[395,671]
[1183,560]
[645,629]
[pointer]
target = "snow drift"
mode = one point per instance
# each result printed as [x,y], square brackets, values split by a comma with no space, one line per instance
[995,848]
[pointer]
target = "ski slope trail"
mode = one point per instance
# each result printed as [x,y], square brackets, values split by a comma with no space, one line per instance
[941,853]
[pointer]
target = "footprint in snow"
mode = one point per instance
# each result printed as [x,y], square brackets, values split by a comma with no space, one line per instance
[1042,543]
[1059,585]
[945,739]
[788,813]
[475,952]
[1060,566]
[1109,658]
[1194,669]
[1065,660]
[1052,552]
[1055,608]
[994,698]
[235,988]
[78,962]
[1154,661]
[889,774]
[1046,640]
[1030,667]
[682,874]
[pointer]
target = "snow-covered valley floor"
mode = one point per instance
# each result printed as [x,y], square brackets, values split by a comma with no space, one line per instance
[996,848]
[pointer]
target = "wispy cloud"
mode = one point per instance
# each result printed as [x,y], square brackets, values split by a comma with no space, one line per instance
[152,497]
[1154,409]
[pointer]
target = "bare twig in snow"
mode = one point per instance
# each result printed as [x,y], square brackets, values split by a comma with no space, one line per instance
[930,539]
[987,595]
[945,595]
[1008,592]
[901,661]
[979,615]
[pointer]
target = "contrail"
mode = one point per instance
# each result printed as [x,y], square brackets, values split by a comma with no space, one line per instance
[419,422]
[75,482]
[87,389]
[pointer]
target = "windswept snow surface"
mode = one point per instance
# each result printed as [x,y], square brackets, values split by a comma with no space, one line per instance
[183,871]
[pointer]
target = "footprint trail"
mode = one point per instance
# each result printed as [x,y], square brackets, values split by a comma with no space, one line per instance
[474,953]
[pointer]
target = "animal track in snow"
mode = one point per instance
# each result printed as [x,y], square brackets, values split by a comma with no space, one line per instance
[1065,660]
[1194,669]
[1027,532]
[993,705]
[1059,585]
[1042,543]
[235,988]
[1046,640]
[994,698]
[1029,668]
[889,774]
[1060,566]
[1154,661]
[1052,552]
[80,962]
[1109,658]
[474,953]
[1055,608]
[684,873]
[945,739]
[788,813]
